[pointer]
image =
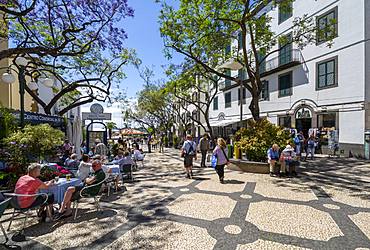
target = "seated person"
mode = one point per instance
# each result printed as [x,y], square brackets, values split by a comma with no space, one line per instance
[138,156]
[84,168]
[29,184]
[73,193]
[288,156]
[71,162]
[124,160]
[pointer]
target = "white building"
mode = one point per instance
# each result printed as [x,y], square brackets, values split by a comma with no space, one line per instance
[317,87]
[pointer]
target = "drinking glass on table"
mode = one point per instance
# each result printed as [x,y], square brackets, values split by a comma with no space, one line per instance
[68,177]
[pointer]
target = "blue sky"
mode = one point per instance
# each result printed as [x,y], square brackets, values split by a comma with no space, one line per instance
[144,36]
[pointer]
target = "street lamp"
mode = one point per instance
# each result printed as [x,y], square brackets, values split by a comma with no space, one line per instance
[235,65]
[9,78]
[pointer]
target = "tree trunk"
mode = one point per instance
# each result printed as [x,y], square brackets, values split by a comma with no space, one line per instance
[254,107]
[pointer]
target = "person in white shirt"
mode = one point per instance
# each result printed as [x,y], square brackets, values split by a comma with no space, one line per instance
[138,156]
[84,168]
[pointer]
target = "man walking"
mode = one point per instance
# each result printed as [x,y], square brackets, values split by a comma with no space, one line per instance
[204,148]
[189,151]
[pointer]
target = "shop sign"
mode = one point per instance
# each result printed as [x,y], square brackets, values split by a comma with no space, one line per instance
[36,118]
[96,116]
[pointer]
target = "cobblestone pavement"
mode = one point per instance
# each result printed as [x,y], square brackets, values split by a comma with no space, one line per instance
[327,207]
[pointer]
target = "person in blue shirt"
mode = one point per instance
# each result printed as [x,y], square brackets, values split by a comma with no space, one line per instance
[273,157]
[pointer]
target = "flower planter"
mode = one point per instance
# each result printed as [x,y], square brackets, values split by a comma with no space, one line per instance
[249,166]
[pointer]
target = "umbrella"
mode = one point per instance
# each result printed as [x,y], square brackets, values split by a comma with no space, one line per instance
[69,131]
[77,135]
[130,131]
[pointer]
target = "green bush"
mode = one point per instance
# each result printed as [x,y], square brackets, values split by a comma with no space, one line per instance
[31,144]
[7,122]
[175,140]
[165,141]
[258,137]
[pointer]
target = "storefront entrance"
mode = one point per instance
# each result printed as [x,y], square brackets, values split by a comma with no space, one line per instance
[303,120]
[303,124]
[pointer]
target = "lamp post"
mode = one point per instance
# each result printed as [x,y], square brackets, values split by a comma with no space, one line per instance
[234,65]
[8,78]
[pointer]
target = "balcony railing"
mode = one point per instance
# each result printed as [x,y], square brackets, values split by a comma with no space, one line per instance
[285,60]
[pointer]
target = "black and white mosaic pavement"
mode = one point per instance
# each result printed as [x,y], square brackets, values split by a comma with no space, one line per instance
[253,221]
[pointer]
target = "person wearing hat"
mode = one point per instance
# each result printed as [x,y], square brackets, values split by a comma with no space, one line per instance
[100,148]
[288,157]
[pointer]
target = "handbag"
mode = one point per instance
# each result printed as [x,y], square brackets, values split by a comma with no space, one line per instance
[214,161]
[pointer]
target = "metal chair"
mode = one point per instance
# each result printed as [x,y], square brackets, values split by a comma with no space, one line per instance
[84,194]
[19,210]
[111,181]
[127,169]
[141,160]
[3,205]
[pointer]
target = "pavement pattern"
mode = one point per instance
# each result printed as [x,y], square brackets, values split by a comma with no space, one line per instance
[327,207]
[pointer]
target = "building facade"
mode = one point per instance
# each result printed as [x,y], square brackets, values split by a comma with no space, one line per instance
[319,87]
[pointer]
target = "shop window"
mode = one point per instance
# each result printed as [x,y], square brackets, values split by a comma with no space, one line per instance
[327,26]
[327,73]
[215,103]
[228,100]
[285,12]
[285,121]
[327,120]
[285,84]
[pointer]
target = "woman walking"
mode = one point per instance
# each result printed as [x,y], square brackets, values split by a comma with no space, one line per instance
[220,152]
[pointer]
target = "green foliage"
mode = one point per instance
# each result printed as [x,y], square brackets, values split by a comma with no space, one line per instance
[201,30]
[111,125]
[258,137]
[7,122]
[165,141]
[176,141]
[31,144]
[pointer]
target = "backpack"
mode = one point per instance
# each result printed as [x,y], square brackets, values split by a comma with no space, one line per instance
[191,151]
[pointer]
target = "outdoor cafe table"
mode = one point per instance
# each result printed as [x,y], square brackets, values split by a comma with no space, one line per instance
[60,187]
[114,168]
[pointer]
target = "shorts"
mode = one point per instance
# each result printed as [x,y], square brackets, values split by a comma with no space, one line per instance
[188,161]
[41,199]
[76,194]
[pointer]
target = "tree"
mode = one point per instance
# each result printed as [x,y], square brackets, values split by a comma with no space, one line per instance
[193,86]
[201,30]
[154,109]
[60,28]
[111,126]
[80,43]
